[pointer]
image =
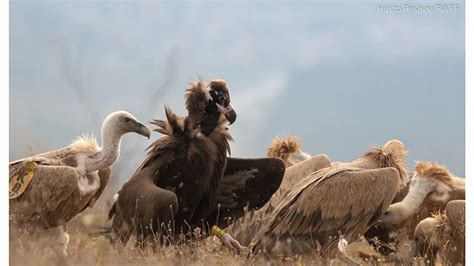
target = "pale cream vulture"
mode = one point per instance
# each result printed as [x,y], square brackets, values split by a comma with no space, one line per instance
[347,198]
[62,183]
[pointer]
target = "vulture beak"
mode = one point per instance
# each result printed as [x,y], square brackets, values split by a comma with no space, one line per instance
[143,130]
[228,112]
[231,116]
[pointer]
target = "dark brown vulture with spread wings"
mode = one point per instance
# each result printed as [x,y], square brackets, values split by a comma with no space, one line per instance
[346,198]
[187,181]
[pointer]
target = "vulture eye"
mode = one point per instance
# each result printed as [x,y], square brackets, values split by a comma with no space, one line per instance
[126,119]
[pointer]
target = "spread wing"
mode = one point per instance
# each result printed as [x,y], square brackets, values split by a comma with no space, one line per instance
[246,183]
[50,197]
[245,228]
[327,202]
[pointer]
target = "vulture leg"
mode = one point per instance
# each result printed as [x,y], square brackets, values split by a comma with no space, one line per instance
[233,244]
[62,241]
[55,238]
[228,240]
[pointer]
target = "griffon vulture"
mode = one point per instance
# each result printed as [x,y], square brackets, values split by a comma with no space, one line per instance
[288,149]
[187,179]
[49,189]
[432,187]
[347,197]
[444,234]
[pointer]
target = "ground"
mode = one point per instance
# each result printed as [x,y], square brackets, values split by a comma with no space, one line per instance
[88,248]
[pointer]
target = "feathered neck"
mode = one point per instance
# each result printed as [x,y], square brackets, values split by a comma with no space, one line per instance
[378,157]
[110,149]
[202,112]
[413,200]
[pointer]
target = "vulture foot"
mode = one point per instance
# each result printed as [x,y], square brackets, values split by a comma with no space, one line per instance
[228,240]
[233,244]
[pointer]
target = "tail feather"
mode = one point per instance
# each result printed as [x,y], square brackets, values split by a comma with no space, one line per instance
[174,126]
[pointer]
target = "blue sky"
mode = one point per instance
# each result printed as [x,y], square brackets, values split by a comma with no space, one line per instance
[341,77]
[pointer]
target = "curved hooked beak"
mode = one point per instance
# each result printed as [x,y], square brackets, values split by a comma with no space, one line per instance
[231,116]
[228,112]
[143,130]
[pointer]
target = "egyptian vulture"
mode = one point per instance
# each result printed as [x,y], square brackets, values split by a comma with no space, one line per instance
[49,189]
[432,187]
[187,181]
[443,233]
[346,198]
[288,149]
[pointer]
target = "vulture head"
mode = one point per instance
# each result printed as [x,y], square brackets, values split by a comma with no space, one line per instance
[122,122]
[288,149]
[431,187]
[218,99]
[207,104]
[392,154]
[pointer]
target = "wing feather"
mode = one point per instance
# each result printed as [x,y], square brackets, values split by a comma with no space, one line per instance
[333,199]
[50,198]
[246,183]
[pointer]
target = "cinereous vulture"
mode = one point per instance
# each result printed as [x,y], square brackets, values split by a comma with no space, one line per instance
[187,181]
[347,198]
[49,189]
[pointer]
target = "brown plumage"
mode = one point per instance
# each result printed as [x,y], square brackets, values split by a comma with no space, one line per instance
[435,171]
[247,226]
[68,180]
[247,185]
[182,178]
[443,233]
[347,197]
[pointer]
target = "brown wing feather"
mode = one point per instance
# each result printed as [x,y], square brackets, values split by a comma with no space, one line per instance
[455,212]
[51,199]
[333,200]
[64,156]
[245,183]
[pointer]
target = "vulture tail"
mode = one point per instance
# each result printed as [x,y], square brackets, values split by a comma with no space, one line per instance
[175,126]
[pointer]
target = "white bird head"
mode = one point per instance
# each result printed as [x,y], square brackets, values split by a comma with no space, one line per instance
[123,122]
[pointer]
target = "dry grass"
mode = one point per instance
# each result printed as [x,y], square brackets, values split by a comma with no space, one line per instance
[87,248]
